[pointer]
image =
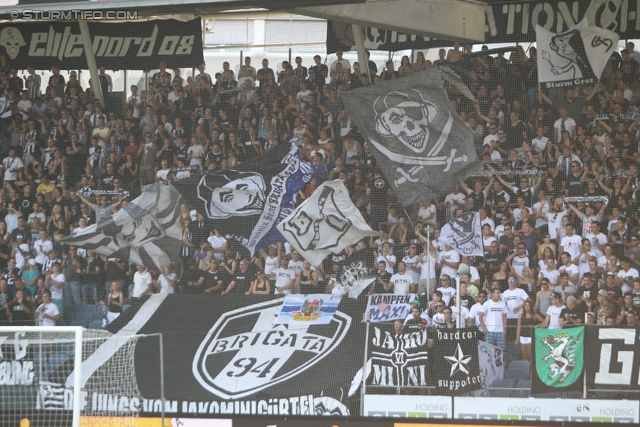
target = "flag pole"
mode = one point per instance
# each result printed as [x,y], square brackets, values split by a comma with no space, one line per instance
[459,314]
[364,364]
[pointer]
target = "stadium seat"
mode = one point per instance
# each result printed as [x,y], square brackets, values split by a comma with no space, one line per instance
[520,365]
[88,308]
[95,324]
[78,323]
[501,388]
[516,375]
[125,307]
[524,387]
[98,315]
[84,317]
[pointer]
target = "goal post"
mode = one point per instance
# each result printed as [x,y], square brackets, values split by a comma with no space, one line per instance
[68,376]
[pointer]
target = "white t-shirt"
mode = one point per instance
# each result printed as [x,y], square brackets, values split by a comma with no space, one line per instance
[270,264]
[493,312]
[554,316]
[571,245]
[514,298]
[430,272]
[520,263]
[42,247]
[140,282]
[474,313]
[401,283]
[551,275]
[165,287]
[415,263]
[425,212]
[449,256]
[555,221]
[296,266]
[571,269]
[217,242]
[20,260]
[283,278]
[388,267]
[197,151]
[55,292]
[539,143]
[51,310]
[447,294]
[11,164]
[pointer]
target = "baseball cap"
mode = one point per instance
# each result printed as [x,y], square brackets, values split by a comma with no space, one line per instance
[556,295]
[590,313]
[416,302]
[32,261]
[603,293]
[610,273]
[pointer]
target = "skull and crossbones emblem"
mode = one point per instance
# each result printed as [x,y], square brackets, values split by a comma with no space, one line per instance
[409,124]
[407,120]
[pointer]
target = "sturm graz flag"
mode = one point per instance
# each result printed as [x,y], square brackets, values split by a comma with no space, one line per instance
[419,141]
[247,202]
[558,359]
[455,361]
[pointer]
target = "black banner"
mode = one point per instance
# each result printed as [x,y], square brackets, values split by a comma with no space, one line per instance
[456,367]
[506,22]
[613,360]
[130,45]
[235,360]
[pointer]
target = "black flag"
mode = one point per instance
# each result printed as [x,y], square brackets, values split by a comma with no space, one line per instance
[247,202]
[419,141]
[455,361]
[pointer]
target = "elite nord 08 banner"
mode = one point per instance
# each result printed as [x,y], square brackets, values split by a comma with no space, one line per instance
[128,45]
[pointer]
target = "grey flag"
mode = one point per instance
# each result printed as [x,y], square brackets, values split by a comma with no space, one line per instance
[464,234]
[146,231]
[419,141]
[327,222]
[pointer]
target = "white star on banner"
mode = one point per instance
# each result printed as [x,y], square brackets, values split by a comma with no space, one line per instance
[458,361]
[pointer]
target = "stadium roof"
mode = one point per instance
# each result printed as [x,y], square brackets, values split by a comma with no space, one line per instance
[147,8]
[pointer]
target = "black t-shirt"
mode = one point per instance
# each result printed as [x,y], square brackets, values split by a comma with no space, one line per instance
[243,281]
[492,261]
[590,293]
[192,275]
[381,281]
[211,280]
[19,314]
[379,188]
[576,313]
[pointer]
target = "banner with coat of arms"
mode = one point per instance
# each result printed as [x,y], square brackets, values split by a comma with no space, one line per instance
[558,360]
[312,309]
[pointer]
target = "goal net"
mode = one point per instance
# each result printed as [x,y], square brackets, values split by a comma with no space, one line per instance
[43,368]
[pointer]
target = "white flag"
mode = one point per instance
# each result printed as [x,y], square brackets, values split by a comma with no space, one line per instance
[574,57]
[464,234]
[327,222]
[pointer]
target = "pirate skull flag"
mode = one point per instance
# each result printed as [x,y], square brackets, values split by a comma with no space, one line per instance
[419,141]
[247,202]
[327,222]
[146,231]
[574,57]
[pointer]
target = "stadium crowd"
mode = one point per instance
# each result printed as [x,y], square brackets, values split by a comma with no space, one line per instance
[549,261]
